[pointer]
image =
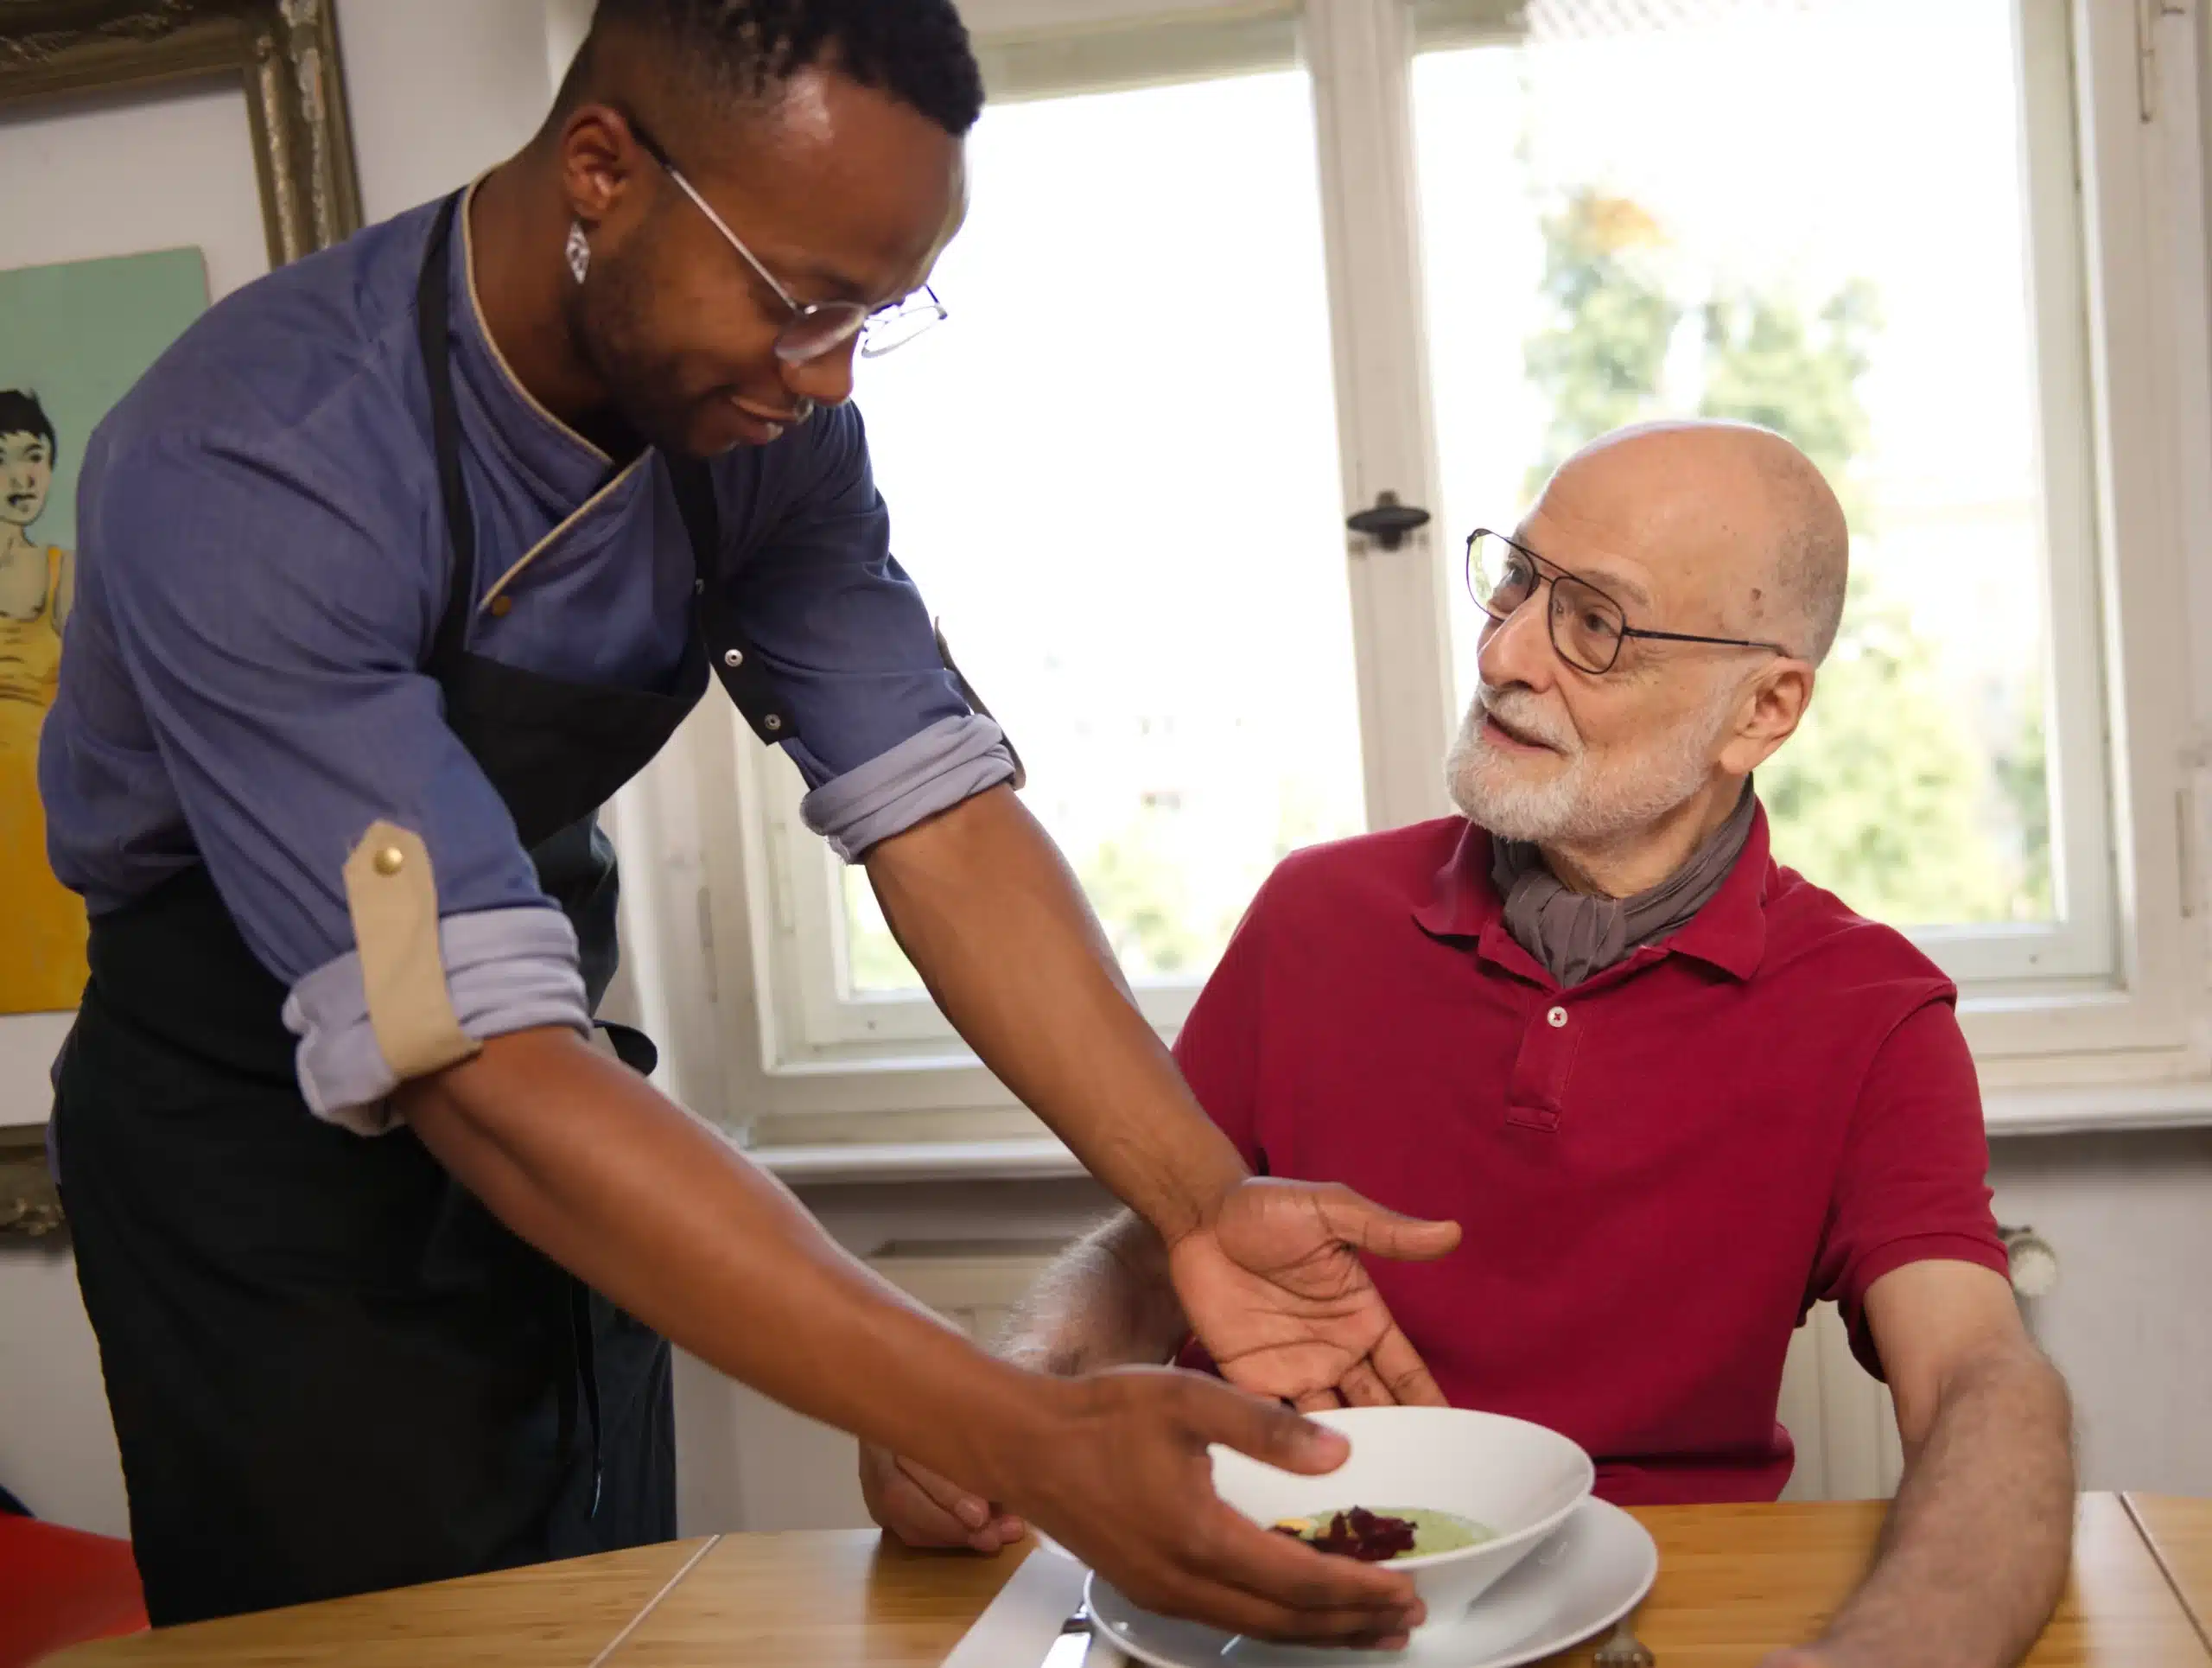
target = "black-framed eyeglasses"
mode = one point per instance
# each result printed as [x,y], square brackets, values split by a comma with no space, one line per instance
[1587,627]
[814,328]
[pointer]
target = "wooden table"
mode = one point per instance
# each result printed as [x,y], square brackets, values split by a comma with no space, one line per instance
[2180,1534]
[1734,1582]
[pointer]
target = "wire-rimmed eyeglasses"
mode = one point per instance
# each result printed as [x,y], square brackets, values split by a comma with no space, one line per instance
[1587,627]
[814,328]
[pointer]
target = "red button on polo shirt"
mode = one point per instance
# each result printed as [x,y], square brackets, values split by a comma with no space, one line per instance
[1657,1172]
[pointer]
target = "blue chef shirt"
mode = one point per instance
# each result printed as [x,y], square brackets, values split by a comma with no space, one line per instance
[262,567]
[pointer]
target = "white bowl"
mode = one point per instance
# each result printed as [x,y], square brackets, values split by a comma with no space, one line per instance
[1512,1477]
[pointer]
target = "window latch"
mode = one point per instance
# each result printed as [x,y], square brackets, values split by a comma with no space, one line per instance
[1387,521]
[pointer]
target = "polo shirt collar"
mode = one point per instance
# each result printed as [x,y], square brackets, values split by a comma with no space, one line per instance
[1729,933]
[1465,899]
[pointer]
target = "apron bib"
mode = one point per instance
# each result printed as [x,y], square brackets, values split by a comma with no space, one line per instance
[331,1369]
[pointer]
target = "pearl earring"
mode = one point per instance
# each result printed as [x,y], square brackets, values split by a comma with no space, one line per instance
[579,251]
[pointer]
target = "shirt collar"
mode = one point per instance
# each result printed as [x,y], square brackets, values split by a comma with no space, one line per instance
[1465,899]
[1729,933]
[499,416]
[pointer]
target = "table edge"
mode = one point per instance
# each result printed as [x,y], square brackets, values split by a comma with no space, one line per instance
[608,1651]
[2201,1624]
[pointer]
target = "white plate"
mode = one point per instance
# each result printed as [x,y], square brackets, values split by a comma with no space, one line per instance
[1592,1572]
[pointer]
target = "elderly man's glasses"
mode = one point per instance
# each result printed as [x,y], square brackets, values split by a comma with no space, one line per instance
[814,328]
[1587,627]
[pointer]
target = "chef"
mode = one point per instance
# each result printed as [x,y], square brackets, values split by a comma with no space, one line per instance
[397,565]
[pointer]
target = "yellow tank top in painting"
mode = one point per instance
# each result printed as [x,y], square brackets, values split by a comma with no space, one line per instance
[42,921]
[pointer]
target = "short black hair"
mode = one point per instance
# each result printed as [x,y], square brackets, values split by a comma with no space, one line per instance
[918,51]
[21,414]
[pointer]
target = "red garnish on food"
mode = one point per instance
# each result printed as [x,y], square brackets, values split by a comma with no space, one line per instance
[1368,1535]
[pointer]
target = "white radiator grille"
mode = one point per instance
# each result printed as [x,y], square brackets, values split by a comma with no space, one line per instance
[1840,1417]
[795,1473]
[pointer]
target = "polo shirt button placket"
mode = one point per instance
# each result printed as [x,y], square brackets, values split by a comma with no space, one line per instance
[1537,1092]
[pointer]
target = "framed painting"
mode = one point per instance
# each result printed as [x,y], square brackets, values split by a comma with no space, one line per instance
[73,338]
[130,125]
[283,53]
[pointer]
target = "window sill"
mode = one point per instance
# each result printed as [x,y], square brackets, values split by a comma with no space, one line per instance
[827,1163]
[2073,1109]
[2008,1113]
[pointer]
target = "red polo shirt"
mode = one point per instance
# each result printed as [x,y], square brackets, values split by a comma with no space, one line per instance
[1657,1172]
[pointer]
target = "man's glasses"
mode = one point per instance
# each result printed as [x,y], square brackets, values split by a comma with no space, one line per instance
[814,328]
[1587,627]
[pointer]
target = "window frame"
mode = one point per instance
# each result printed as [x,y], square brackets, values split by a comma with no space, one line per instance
[742,926]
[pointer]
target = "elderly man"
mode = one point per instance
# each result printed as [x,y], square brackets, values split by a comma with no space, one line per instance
[1676,1093]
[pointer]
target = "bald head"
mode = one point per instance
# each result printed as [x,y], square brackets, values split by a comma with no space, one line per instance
[1727,553]
[1736,521]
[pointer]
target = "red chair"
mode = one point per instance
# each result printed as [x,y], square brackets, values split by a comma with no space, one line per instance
[61,1587]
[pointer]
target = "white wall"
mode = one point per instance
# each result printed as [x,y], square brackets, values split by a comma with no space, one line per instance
[439,92]
[2203,20]
[57,1450]
[2131,1219]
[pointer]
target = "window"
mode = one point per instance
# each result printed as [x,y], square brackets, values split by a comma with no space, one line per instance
[1119,490]
[1117,487]
[1684,207]
[1229,273]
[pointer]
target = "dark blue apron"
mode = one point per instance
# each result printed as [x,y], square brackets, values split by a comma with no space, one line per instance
[331,1369]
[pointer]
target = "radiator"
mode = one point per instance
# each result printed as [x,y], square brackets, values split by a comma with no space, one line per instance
[1839,1415]
[795,1473]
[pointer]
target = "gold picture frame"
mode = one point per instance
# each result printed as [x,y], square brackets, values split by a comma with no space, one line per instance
[283,55]
[30,1204]
[284,52]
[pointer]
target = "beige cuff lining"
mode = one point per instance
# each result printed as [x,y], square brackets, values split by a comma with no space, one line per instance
[393,898]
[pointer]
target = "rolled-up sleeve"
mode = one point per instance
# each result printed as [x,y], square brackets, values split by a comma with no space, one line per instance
[271,612]
[886,737]
[506,969]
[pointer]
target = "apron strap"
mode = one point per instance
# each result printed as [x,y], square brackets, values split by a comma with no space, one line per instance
[433,324]
[434,327]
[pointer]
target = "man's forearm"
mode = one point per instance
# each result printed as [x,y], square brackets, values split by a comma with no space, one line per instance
[1105,1301]
[1975,1551]
[988,912]
[589,1162]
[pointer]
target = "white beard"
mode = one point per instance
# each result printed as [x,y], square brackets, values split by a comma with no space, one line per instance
[1575,802]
